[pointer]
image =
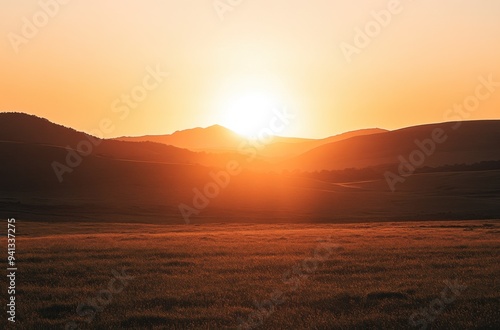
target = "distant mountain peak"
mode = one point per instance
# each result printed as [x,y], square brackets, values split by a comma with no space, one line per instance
[215,137]
[213,129]
[217,126]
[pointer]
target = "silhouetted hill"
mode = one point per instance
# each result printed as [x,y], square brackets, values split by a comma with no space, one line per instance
[471,142]
[24,128]
[216,138]
[286,149]
[21,127]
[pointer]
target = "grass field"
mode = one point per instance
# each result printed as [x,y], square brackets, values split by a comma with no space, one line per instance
[439,275]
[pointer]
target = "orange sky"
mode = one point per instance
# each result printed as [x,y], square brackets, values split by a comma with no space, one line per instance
[283,53]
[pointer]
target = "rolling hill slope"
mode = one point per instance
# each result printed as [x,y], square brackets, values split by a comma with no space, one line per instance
[29,129]
[471,142]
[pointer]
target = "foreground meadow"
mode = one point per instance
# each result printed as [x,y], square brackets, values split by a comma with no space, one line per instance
[435,275]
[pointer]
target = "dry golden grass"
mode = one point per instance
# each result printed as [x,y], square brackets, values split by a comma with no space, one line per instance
[367,276]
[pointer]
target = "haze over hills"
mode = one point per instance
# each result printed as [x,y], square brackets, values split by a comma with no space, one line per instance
[286,149]
[144,181]
[213,138]
[217,138]
[463,142]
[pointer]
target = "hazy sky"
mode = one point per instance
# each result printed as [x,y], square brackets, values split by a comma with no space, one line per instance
[75,65]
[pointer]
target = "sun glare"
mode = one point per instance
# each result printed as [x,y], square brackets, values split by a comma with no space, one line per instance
[249,113]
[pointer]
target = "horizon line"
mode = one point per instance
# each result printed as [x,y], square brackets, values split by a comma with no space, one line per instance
[241,135]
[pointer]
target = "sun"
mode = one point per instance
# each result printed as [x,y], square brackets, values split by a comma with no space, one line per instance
[249,113]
